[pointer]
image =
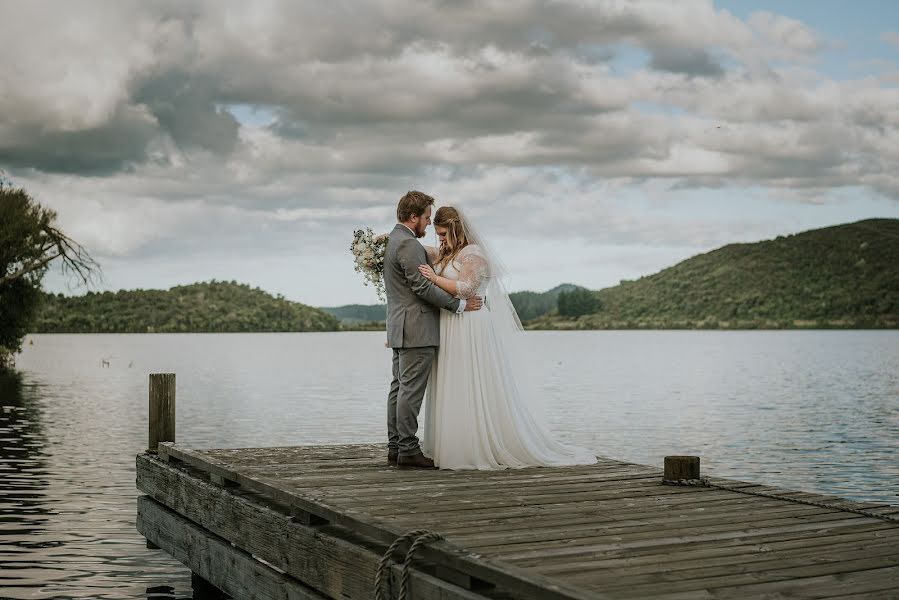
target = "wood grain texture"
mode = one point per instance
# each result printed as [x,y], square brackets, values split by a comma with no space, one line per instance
[325,561]
[214,559]
[609,530]
[162,409]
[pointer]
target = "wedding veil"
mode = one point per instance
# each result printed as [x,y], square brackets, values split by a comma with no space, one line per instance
[505,321]
[500,305]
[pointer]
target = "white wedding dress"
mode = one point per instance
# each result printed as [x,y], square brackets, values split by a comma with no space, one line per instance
[475,415]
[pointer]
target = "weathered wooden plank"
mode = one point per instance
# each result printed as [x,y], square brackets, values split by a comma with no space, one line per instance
[331,564]
[284,454]
[317,467]
[276,460]
[835,556]
[456,517]
[888,594]
[874,583]
[804,582]
[671,513]
[597,527]
[380,492]
[230,569]
[436,505]
[427,493]
[672,502]
[347,480]
[653,549]
[388,478]
[501,575]
[737,515]
[689,555]
[499,497]
[552,540]
[686,514]
[653,539]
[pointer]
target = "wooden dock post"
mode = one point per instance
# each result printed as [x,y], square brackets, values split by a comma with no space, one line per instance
[679,468]
[162,409]
[162,416]
[162,429]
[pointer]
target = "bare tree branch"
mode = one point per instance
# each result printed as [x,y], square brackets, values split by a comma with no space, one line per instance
[33,266]
[75,258]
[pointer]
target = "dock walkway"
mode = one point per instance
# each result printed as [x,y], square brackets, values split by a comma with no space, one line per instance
[313,522]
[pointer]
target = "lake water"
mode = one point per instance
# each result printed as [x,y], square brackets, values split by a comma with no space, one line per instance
[808,410]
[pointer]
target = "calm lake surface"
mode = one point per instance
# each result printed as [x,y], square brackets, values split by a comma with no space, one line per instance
[808,410]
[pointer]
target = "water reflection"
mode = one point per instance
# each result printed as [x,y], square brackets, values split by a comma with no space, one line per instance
[67,501]
[24,507]
[817,411]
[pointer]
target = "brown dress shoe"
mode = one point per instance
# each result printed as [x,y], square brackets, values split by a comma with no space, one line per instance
[391,458]
[416,461]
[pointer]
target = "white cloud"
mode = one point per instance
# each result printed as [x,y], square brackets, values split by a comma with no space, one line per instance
[518,110]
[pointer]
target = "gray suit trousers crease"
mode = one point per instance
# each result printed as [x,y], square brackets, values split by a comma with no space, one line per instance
[411,369]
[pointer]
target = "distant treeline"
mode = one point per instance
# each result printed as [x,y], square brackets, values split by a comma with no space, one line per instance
[202,307]
[841,277]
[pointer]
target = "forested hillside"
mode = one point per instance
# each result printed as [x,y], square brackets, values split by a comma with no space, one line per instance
[841,276]
[200,307]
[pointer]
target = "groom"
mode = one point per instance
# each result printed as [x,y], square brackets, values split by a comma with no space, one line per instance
[413,328]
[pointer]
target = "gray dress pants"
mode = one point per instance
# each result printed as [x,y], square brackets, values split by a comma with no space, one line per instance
[411,369]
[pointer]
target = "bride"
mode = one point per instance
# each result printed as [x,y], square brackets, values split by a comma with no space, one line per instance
[476,415]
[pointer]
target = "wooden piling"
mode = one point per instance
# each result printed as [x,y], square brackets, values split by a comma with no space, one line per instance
[162,409]
[162,416]
[681,467]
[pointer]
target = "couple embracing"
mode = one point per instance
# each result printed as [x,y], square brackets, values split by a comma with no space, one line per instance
[453,331]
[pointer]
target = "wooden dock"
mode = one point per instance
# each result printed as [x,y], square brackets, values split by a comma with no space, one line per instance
[313,523]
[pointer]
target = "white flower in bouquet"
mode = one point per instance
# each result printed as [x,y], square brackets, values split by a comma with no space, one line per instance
[368,251]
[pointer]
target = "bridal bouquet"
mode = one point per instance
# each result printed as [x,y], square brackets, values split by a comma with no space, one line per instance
[368,250]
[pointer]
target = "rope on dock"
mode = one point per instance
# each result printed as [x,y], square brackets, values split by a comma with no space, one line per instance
[419,537]
[704,482]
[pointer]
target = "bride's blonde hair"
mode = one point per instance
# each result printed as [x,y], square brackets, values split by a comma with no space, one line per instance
[447,216]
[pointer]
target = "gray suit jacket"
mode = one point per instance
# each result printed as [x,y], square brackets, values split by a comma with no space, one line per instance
[413,320]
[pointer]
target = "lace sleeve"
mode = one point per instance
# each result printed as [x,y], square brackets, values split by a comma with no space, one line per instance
[432,254]
[472,272]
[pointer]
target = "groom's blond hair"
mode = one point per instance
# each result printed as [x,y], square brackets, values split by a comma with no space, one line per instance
[413,204]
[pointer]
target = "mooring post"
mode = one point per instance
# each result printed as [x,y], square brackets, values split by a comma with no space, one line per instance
[162,409]
[162,416]
[679,468]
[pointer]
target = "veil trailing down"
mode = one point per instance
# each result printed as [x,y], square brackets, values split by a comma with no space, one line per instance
[480,413]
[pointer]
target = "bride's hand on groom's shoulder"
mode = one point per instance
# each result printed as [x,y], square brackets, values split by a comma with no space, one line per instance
[428,273]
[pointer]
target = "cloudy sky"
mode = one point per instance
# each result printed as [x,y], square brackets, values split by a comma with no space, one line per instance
[593,141]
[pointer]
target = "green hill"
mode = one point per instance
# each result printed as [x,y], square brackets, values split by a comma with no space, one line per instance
[841,276]
[530,305]
[200,307]
[354,314]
